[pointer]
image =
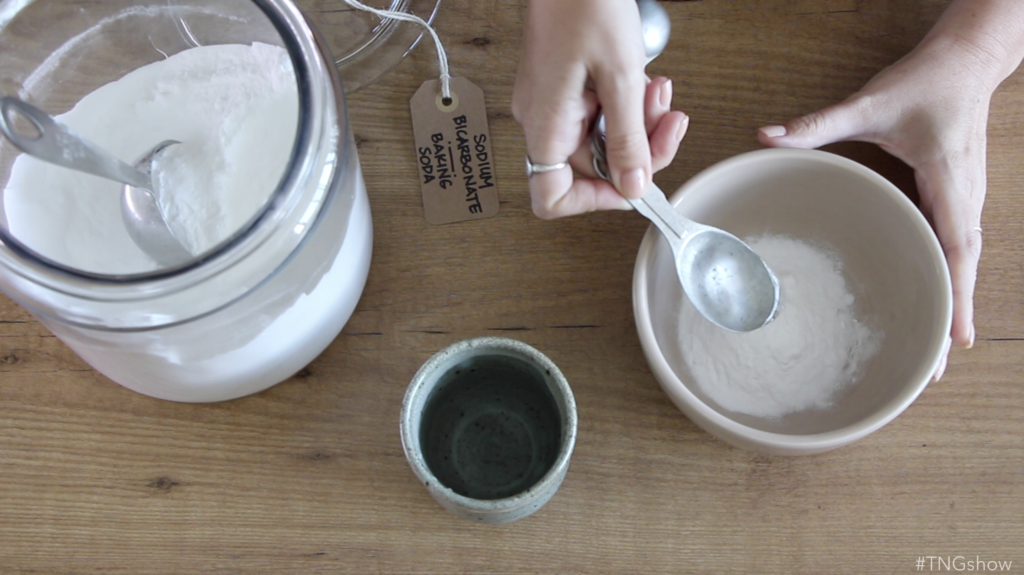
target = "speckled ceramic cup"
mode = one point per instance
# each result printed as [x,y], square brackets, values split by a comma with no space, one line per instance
[488,426]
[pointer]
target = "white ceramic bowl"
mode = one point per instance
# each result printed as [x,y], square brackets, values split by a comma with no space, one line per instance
[892,261]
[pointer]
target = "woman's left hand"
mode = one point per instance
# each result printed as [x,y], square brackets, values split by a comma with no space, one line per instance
[930,110]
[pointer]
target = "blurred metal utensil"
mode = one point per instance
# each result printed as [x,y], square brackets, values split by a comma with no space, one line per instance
[57,144]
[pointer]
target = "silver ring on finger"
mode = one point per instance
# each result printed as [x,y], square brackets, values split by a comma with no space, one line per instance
[532,168]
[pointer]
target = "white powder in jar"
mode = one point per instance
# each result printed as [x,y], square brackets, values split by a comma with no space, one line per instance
[233,107]
[812,349]
[235,110]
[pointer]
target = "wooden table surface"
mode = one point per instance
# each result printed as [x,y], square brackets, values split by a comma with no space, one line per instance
[309,476]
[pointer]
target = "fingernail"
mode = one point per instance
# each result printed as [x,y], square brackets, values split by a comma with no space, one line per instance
[941,371]
[773,131]
[665,97]
[633,183]
[681,128]
[970,344]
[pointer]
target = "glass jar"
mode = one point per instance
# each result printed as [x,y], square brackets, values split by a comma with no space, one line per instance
[257,307]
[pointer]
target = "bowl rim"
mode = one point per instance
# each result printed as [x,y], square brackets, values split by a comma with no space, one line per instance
[736,433]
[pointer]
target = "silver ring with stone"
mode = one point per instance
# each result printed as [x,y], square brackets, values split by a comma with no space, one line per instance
[532,168]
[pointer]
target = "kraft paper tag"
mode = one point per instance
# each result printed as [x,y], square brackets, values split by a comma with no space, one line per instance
[453,153]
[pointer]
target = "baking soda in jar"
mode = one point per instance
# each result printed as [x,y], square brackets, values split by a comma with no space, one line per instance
[265,190]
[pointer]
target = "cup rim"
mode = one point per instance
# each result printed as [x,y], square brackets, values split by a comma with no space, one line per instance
[410,436]
[732,431]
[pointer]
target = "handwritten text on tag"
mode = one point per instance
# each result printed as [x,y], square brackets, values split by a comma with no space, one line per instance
[453,152]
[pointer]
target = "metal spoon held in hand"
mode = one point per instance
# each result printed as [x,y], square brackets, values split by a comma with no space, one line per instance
[725,280]
[56,144]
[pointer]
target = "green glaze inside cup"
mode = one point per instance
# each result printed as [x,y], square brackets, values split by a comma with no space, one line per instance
[488,426]
[491,428]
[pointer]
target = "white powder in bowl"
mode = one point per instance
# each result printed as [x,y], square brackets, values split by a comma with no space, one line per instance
[812,349]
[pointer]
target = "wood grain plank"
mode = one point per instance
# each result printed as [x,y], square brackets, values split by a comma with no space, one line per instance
[309,476]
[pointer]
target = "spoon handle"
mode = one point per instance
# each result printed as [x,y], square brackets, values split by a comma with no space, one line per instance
[674,242]
[656,207]
[57,144]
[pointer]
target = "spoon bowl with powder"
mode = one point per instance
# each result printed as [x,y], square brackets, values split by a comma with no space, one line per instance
[727,282]
[54,143]
[140,211]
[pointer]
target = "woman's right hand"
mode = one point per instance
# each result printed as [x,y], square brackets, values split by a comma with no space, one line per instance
[580,57]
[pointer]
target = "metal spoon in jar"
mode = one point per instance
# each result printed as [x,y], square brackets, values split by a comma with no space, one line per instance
[57,144]
[725,280]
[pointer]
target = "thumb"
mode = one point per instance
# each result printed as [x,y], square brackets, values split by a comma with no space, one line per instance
[958,226]
[843,121]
